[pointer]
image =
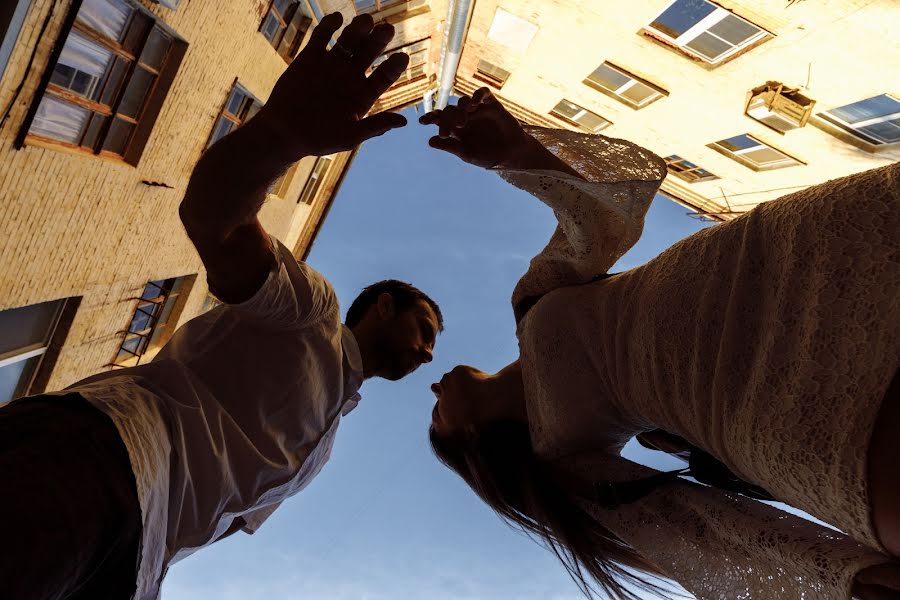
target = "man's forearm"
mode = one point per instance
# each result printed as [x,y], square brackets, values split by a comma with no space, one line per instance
[229,182]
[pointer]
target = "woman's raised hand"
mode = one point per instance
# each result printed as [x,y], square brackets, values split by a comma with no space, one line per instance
[319,104]
[478,130]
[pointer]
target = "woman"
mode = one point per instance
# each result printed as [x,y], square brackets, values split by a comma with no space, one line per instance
[768,342]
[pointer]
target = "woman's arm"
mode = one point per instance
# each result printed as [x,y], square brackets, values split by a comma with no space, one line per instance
[722,545]
[599,188]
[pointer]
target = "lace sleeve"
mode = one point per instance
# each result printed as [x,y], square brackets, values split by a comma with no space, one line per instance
[722,545]
[600,216]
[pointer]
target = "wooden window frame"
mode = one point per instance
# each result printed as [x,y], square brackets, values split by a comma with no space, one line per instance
[394,11]
[169,302]
[153,100]
[236,119]
[718,14]
[617,93]
[738,157]
[287,49]
[572,121]
[685,173]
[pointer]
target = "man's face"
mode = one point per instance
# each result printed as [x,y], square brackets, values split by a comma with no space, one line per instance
[407,340]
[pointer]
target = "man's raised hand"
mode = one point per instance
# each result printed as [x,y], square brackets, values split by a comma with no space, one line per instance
[318,106]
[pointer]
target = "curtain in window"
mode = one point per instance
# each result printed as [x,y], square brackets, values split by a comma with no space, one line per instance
[59,120]
[85,56]
[105,16]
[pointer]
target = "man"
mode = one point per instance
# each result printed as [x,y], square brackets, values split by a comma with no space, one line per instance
[239,410]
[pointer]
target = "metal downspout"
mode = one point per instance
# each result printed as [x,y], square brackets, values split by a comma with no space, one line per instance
[458,13]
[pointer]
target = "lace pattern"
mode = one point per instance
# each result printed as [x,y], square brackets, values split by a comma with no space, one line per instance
[768,341]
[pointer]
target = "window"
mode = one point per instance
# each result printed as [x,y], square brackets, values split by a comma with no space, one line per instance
[239,108]
[391,10]
[154,318]
[108,81]
[491,74]
[315,180]
[284,26]
[623,86]
[581,117]
[705,30]
[875,120]
[25,336]
[418,57]
[209,303]
[753,153]
[686,170]
[12,16]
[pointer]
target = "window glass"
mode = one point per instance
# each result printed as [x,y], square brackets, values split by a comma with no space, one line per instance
[28,325]
[681,16]
[870,108]
[59,120]
[15,377]
[107,17]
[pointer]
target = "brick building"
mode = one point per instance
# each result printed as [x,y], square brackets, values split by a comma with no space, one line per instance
[107,105]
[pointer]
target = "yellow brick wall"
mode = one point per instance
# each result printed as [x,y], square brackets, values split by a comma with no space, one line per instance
[76,225]
[821,38]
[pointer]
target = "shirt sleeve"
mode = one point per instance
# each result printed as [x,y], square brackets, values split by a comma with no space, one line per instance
[254,519]
[722,545]
[599,217]
[293,295]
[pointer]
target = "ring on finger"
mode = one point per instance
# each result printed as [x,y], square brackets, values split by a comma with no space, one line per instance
[342,50]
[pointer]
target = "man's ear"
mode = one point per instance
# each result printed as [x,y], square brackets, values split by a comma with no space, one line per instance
[385,306]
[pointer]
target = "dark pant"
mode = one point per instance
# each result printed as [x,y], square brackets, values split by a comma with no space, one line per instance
[69,510]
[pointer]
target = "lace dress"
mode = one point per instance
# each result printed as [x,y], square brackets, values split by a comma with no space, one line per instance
[768,341]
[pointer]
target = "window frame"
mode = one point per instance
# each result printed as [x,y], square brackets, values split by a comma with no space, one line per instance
[408,74]
[173,292]
[314,180]
[582,110]
[739,155]
[852,129]
[488,78]
[617,93]
[687,174]
[702,26]
[298,18]
[254,105]
[46,351]
[152,102]
[394,11]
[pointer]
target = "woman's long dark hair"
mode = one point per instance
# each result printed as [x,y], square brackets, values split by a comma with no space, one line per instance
[499,464]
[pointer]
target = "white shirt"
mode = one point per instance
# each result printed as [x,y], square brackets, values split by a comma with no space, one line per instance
[236,413]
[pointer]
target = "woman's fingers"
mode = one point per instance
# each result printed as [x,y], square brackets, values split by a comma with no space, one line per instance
[483,96]
[432,117]
[451,145]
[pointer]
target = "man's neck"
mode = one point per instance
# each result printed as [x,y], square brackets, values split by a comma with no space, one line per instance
[366,349]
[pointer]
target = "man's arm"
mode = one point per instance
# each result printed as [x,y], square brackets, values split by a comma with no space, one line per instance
[317,107]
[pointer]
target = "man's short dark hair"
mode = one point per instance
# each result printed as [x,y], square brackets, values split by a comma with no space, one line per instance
[404,295]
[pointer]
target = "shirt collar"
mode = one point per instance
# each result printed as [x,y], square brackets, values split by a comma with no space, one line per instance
[353,378]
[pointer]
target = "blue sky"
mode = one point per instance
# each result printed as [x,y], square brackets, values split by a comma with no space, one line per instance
[385,521]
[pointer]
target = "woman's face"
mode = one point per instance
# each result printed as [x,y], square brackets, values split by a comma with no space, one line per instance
[469,397]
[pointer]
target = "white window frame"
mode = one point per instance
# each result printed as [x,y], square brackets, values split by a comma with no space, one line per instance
[852,127]
[787,161]
[632,81]
[314,180]
[574,120]
[702,26]
[30,351]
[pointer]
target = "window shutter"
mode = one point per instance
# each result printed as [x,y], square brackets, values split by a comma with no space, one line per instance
[296,29]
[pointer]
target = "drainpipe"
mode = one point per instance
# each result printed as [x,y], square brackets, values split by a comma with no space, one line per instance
[457,25]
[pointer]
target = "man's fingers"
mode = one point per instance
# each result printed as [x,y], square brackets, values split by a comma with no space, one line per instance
[465,104]
[451,145]
[384,76]
[379,124]
[373,45]
[354,34]
[321,35]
